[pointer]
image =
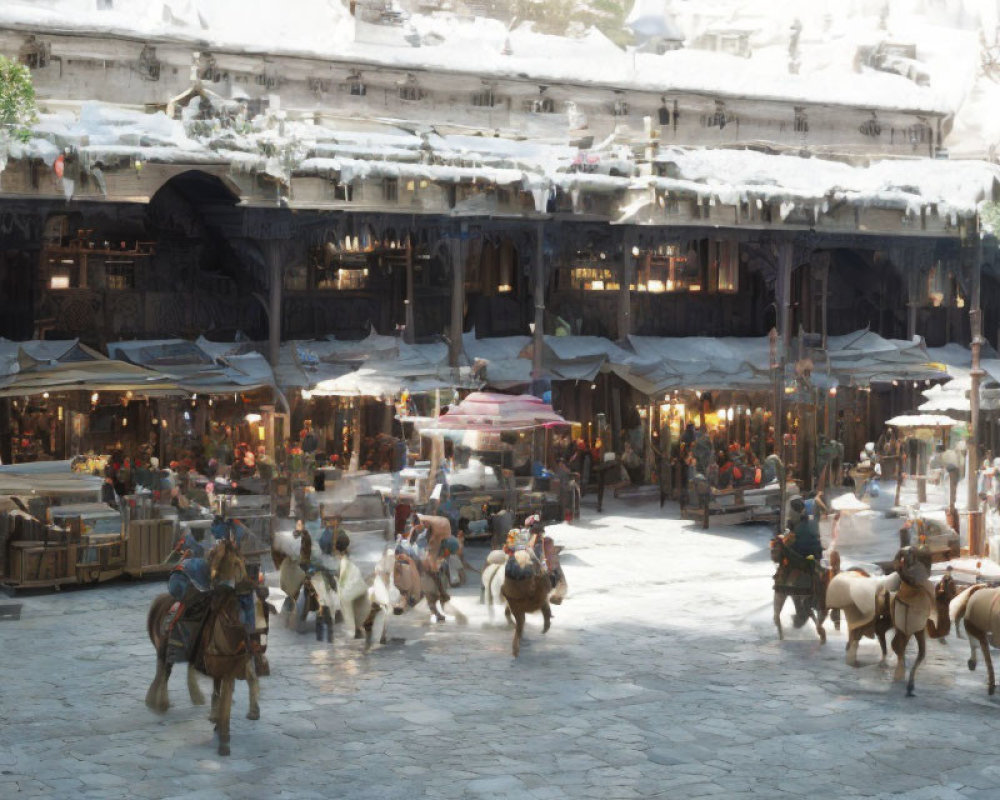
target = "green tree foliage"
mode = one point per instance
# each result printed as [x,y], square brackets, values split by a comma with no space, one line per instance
[17,98]
[990,218]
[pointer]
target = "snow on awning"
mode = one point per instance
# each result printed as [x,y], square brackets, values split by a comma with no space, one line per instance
[485,411]
[17,356]
[195,370]
[105,375]
[922,421]
[735,176]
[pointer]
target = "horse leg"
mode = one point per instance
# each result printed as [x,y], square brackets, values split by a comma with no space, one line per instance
[972,646]
[818,617]
[547,616]
[213,713]
[253,685]
[853,640]
[518,630]
[197,698]
[899,642]
[921,650]
[835,616]
[156,695]
[980,636]
[507,614]
[432,604]
[779,602]
[225,709]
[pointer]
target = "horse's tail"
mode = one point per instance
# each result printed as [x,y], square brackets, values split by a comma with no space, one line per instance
[157,611]
[958,607]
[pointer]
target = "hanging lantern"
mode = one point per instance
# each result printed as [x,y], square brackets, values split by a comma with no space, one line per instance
[59,165]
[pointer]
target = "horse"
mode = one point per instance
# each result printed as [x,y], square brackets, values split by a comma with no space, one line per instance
[414,585]
[306,591]
[223,651]
[806,583]
[904,601]
[865,602]
[355,601]
[526,595]
[977,607]
[491,581]
[918,608]
[383,596]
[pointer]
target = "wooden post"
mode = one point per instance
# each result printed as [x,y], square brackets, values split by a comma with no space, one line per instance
[538,335]
[976,533]
[624,290]
[272,252]
[410,331]
[457,296]
[783,293]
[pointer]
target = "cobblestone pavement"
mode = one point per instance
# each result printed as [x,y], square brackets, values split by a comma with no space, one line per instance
[661,677]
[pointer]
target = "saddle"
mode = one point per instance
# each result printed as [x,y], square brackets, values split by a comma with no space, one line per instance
[522,566]
[224,645]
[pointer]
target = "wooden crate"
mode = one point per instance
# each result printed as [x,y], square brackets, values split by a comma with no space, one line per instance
[100,557]
[149,542]
[34,564]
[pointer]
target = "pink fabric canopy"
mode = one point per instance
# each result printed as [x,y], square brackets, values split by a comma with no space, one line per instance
[485,411]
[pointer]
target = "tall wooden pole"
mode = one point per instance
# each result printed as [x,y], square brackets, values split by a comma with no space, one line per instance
[624,290]
[538,335]
[783,301]
[457,295]
[409,331]
[976,538]
[272,252]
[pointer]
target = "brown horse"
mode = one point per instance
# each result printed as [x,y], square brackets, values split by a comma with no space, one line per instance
[526,596]
[223,651]
[979,607]
[806,583]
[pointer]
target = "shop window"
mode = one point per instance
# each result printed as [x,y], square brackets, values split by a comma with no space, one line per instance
[484,98]
[355,86]
[801,120]
[64,272]
[591,272]
[119,275]
[936,285]
[668,268]
[620,107]
[724,267]
[390,190]
[411,90]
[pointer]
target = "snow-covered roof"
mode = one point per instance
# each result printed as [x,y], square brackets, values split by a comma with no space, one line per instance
[733,176]
[447,42]
[105,135]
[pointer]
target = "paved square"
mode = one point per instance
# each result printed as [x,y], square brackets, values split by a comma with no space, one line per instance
[661,677]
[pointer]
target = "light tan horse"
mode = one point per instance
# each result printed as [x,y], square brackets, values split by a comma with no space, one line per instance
[223,651]
[526,596]
[979,608]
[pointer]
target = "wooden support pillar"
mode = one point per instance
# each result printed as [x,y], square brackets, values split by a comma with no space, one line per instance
[538,295]
[624,290]
[6,435]
[975,516]
[272,253]
[783,304]
[410,331]
[457,295]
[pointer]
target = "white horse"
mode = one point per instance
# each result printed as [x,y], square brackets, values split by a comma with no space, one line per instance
[382,599]
[492,581]
[291,578]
